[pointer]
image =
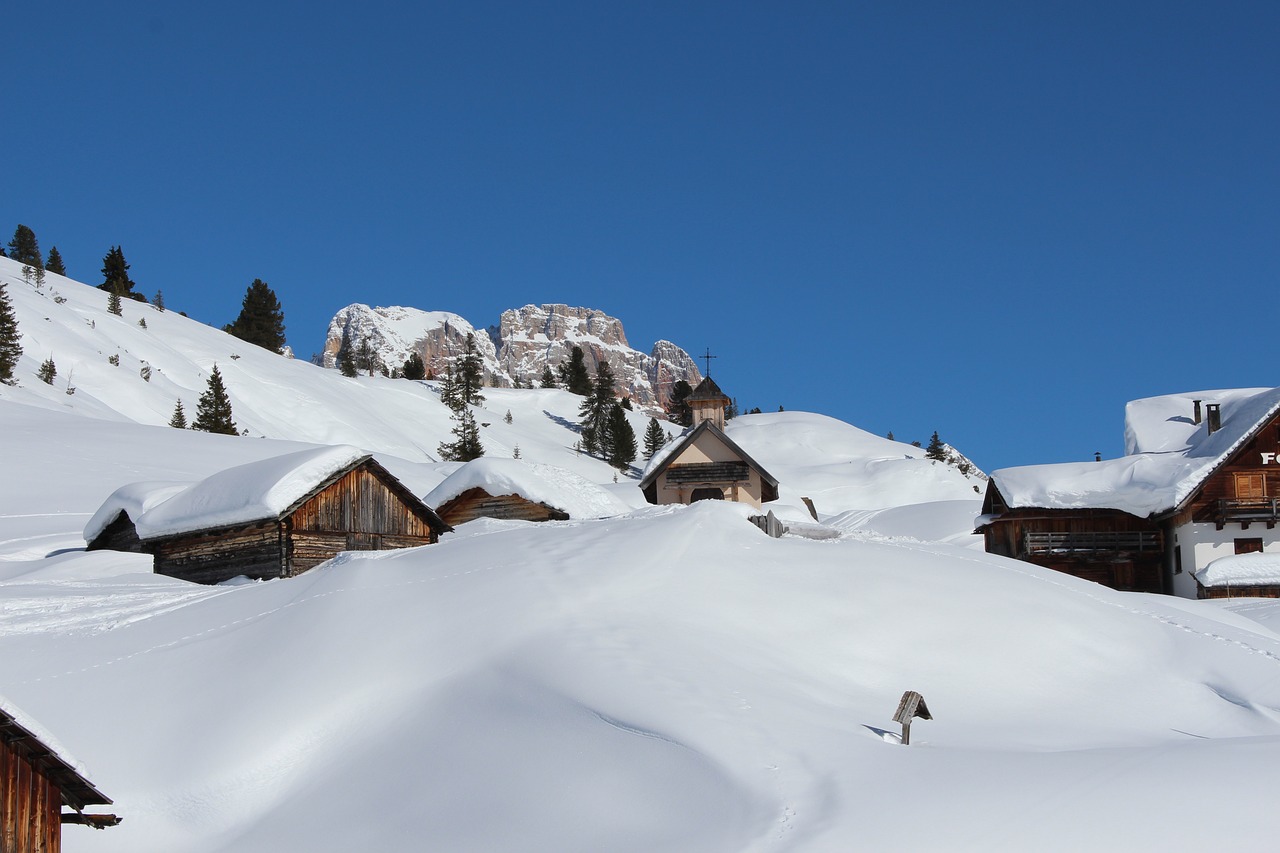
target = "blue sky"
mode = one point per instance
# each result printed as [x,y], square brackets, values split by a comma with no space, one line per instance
[995,220]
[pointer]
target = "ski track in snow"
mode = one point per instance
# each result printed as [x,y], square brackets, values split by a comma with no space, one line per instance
[236,623]
[1164,618]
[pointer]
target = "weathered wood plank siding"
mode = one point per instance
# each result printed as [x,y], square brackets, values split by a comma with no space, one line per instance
[119,535]
[216,556]
[360,502]
[477,503]
[30,804]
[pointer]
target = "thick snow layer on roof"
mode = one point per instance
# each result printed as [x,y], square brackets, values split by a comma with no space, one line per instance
[1242,570]
[540,483]
[245,493]
[134,500]
[27,722]
[1170,456]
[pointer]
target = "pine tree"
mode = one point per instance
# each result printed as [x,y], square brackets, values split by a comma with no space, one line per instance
[449,394]
[10,338]
[548,380]
[213,411]
[158,301]
[24,249]
[179,419]
[467,446]
[54,263]
[936,449]
[470,376]
[115,273]
[654,438]
[261,319]
[622,439]
[113,303]
[413,368]
[507,417]
[574,376]
[678,409]
[48,370]
[367,357]
[346,361]
[595,412]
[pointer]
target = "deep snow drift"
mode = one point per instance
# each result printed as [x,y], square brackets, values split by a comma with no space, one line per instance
[662,679]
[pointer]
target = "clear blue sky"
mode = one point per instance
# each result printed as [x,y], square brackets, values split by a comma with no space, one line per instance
[997,220]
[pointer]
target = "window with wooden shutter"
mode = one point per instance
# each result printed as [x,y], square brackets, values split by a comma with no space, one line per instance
[1248,546]
[1251,486]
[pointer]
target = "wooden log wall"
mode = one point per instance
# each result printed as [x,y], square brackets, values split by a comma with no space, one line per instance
[360,502]
[119,535]
[30,804]
[477,503]
[217,556]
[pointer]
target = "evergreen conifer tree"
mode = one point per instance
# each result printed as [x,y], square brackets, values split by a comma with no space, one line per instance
[261,319]
[367,358]
[113,303]
[413,368]
[346,361]
[10,338]
[54,263]
[595,412]
[158,301]
[678,409]
[24,249]
[574,375]
[936,449]
[548,380]
[48,370]
[115,273]
[213,411]
[449,394]
[654,438]
[179,419]
[622,439]
[470,377]
[467,446]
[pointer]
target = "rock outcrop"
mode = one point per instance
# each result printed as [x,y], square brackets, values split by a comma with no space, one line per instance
[517,349]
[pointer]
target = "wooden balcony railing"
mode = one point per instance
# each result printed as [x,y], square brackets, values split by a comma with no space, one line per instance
[1245,510]
[1111,541]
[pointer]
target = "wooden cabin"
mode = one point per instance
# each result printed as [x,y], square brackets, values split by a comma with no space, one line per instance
[1201,481]
[477,503]
[512,489]
[705,464]
[36,783]
[313,505]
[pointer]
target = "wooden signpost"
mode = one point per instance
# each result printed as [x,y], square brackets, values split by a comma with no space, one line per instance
[911,706]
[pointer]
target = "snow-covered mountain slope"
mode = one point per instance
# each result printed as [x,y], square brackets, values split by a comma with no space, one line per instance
[515,351]
[837,465]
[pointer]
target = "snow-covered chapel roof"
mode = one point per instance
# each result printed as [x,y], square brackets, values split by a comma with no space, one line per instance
[1169,456]
[258,490]
[545,484]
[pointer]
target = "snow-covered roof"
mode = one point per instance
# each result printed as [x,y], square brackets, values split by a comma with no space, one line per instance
[70,776]
[545,484]
[1169,456]
[665,454]
[246,493]
[1241,570]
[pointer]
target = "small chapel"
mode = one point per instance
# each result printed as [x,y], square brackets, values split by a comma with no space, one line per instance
[704,463]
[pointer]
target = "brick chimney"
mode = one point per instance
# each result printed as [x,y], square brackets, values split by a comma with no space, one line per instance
[1195,409]
[1213,414]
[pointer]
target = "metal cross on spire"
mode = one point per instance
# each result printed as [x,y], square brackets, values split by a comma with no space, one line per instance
[708,356]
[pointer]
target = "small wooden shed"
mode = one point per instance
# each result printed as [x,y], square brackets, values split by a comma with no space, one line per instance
[36,781]
[512,489]
[274,518]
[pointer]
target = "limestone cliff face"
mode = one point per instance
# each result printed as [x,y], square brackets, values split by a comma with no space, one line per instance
[516,350]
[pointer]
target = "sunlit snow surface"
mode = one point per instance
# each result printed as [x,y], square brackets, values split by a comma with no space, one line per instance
[664,679]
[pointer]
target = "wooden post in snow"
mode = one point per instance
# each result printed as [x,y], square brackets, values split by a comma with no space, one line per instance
[911,706]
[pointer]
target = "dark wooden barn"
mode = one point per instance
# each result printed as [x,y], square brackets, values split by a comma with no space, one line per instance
[332,503]
[36,783]
[512,489]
